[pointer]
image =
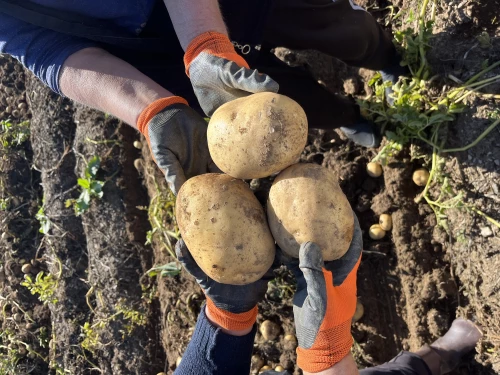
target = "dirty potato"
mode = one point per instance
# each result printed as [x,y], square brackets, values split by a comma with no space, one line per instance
[225,228]
[306,204]
[258,135]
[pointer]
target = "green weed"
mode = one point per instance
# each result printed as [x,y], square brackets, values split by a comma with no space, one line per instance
[161,212]
[4,204]
[167,270]
[12,134]
[43,285]
[90,336]
[132,319]
[44,221]
[90,187]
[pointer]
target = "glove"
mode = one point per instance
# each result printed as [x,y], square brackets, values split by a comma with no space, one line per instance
[233,307]
[324,304]
[218,74]
[177,138]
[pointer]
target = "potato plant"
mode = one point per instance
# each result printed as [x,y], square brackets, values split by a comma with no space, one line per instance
[419,116]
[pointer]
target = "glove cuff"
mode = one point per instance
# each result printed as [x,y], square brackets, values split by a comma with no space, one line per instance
[329,348]
[154,108]
[229,320]
[215,44]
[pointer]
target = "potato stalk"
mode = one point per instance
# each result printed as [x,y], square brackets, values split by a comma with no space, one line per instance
[478,139]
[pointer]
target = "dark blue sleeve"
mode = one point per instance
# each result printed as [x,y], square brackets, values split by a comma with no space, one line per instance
[212,352]
[40,50]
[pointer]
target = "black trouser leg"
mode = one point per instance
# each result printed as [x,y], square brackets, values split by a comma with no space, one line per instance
[338,28]
[405,363]
[324,110]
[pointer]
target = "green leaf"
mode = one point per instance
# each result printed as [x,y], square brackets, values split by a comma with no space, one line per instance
[96,188]
[93,167]
[167,270]
[84,183]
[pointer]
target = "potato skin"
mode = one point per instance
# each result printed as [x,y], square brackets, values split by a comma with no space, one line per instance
[258,135]
[225,228]
[306,204]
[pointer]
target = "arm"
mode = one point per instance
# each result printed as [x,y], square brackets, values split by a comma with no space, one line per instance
[223,339]
[79,70]
[41,51]
[195,17]
[218,74]
[216,350]
[100,80]
[75,68]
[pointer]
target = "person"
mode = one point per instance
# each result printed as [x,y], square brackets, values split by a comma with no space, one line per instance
[161,65]
[323,306]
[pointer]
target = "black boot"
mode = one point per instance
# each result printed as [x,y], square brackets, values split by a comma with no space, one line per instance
[363,133]
[444,354]
[392,74]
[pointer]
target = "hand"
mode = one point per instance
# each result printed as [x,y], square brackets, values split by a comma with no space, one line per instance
[177,138]
[218,74]
[324,304]
[233,307]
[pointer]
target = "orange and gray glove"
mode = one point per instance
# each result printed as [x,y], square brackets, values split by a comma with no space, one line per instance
[218,74]
[324,304]
[177,138]
[232,307]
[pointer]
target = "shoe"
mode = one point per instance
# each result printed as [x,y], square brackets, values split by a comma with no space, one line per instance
[392,74]
[363,133]
[444,354]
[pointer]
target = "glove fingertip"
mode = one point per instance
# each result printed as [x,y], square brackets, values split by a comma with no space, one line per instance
[180,249]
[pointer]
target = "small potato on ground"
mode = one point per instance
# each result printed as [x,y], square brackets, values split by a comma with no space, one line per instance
[421,176]
[385,222]
[374,169]
[360,311]
[269,330]
[376,232]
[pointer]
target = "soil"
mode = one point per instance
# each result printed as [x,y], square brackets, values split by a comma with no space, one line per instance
[412,283]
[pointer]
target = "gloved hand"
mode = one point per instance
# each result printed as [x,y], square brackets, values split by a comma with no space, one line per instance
[233,307]
[177,138]
[324,304]
[218,74]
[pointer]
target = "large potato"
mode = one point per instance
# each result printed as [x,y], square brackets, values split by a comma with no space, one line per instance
[225,228]
[306,204]
[258,135]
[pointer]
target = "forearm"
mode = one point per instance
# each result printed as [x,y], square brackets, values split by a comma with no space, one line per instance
[346,366]
[100,80]
[194,17]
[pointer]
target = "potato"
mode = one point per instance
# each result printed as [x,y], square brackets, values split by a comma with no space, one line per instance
[374,169]
[385,222]
[269,330]
[225,229]
[258,135]
[376,232]
[306,204]
[421,176]
[360,311]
